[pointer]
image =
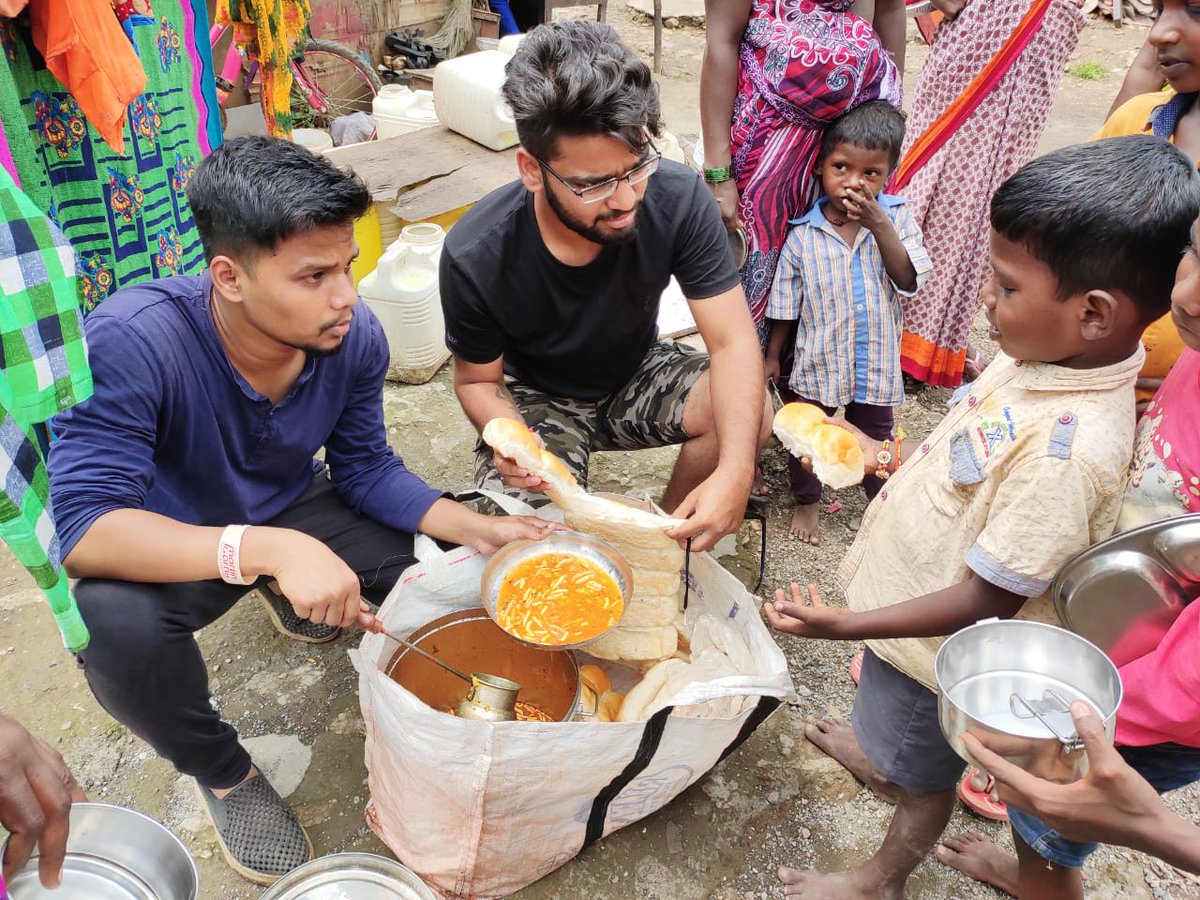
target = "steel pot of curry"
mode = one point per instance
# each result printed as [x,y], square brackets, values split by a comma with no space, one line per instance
[471,641]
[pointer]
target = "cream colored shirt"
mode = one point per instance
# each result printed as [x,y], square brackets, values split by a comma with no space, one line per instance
[1026,470]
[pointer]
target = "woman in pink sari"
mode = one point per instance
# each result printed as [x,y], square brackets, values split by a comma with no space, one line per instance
[775,74]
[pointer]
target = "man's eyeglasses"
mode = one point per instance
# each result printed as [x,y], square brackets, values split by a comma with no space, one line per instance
[594,193]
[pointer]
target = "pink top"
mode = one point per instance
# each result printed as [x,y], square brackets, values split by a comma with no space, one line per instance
[1162,688]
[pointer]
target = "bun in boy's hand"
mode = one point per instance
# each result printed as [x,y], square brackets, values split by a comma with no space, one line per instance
[836,456]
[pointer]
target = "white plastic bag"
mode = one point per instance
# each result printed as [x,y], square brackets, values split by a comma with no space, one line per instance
[482,810]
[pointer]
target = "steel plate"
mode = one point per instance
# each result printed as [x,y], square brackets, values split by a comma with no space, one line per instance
[1123,593]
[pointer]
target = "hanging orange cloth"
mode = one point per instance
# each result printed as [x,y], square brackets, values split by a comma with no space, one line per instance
[87,51]
[269,29]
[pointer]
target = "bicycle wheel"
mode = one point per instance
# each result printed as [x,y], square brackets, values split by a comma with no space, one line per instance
[339,79]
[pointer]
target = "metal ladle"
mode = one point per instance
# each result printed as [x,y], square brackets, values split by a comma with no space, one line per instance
[491,698]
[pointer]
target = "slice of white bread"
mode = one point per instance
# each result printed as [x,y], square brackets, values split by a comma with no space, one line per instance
[644,692]
[633,645]
[836,456]
[511,438]
[655,582]
[644,612]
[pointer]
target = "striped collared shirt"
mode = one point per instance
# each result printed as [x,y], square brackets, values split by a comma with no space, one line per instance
[848,310]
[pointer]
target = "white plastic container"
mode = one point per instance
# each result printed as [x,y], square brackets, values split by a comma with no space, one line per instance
[509,43]
[668,146]
[466,95]
[403,294]
[397,110]
[313,139]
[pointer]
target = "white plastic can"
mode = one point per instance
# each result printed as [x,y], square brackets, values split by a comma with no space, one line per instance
[466,96]
[403,293]
[399,110]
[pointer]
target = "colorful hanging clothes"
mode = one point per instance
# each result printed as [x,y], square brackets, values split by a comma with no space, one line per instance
[952,191]
[81,43]
[126,216]
[270,30]
[803,64]
[43,370]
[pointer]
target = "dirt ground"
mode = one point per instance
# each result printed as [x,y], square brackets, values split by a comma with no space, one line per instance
[776,801]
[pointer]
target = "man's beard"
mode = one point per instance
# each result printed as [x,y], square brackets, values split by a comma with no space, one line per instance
[592,232]
[321,352]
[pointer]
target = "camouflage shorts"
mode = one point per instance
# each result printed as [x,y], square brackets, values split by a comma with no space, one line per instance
[646,412]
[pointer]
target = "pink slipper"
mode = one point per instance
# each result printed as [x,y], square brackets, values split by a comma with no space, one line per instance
[981,802]
[856,665]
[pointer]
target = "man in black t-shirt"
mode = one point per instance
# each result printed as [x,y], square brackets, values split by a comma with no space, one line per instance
[551,285]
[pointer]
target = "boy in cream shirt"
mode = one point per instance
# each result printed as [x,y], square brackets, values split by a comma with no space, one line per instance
[1025,471]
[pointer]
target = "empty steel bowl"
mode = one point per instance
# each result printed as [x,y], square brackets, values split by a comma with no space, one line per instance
[602,553]
[350,876]
[1013,682]
[115,853]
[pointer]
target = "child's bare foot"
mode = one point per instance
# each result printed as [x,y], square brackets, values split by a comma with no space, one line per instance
[805,523]
[976,856]
[836,886]
[836,738]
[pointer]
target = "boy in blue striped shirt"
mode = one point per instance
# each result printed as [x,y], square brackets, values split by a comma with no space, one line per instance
[843,271]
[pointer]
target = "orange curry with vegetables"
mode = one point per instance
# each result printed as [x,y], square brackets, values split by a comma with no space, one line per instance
[558,598]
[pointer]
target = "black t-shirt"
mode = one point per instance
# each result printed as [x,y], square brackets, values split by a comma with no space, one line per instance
[577,331]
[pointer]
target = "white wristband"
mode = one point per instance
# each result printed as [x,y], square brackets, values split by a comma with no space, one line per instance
[229,555]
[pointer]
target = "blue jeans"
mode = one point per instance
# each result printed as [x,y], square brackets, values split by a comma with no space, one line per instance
[1165,766]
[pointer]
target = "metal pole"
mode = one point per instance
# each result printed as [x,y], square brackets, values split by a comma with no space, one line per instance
[658,26]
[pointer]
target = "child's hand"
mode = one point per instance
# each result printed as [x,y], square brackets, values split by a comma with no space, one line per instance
[862,207]
[798,617]
[772,366]
[870,446]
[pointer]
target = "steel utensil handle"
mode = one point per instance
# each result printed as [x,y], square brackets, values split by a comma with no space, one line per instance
[378,627]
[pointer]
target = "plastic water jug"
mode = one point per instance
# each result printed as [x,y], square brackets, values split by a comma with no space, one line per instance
[399,110]
[403,294]
[509,43]
[466,95]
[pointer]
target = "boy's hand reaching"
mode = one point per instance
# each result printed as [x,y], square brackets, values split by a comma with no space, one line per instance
[812,620]
[862,207]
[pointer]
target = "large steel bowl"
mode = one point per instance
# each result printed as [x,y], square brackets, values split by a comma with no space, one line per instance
[602,553]
[470,640]
[115,853]
[1012,682]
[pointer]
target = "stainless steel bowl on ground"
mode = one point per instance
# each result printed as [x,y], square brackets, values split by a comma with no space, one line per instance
[350,876]
[602,553]
[1014,681]
[114,853]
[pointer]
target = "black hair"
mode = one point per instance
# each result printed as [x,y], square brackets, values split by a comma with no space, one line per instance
[874,125]
[1112,215]
[253,192]
[577,78]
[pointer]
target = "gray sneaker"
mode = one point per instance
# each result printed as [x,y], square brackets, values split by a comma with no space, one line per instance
[287,623]
[259,834]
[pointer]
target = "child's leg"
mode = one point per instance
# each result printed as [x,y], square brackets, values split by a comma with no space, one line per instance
[806,487]
[896,733]
[1047,864]
[918,822]
[1041,879]
[875,422]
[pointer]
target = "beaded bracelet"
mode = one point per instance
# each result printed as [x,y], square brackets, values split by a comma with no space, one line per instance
[716,176]
[883,459]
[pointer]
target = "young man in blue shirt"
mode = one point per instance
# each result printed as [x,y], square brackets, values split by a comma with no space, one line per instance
[190,473]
